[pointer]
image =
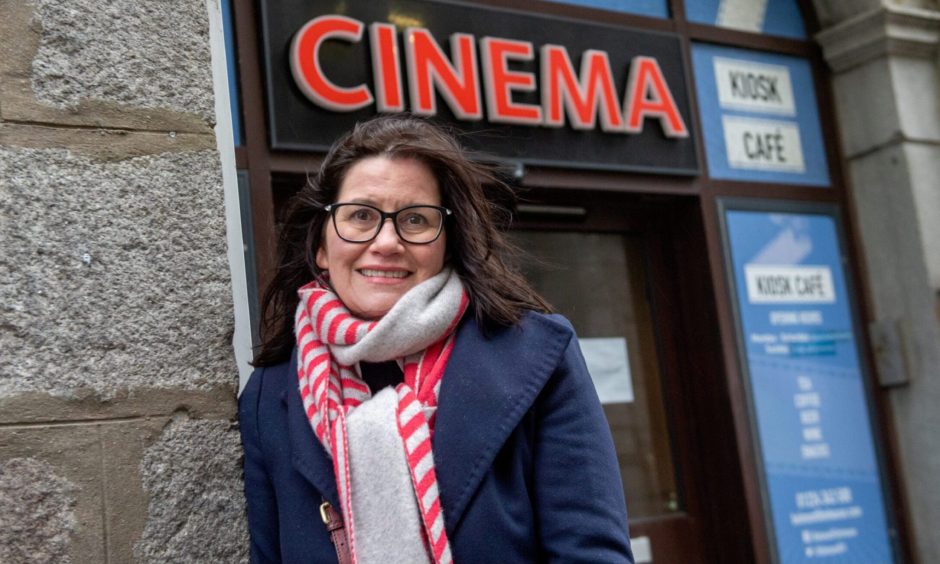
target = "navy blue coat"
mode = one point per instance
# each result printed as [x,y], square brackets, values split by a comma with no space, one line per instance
[525,462]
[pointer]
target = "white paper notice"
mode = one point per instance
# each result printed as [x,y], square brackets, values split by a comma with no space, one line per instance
[609,366]
[746,15]
[642,550]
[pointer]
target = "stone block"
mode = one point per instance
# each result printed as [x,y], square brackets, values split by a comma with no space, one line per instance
[866,103]
[197,510]
[104,456]
[115,273]
[152,489]
[124,501]
[143,54]
[888,220]
[924,162]
[830,12]
[107,64]
[51,477]
[85,404]
[103,144]
[37,518]
[885,186]
[916,84]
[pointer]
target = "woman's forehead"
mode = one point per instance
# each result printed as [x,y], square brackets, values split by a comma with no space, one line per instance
[383,181]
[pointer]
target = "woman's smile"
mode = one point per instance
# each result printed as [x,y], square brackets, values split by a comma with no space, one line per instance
[384,275]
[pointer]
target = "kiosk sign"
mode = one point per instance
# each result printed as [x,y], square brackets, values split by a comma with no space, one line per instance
[803,372]
[789,284]
[746,85]
[759,116]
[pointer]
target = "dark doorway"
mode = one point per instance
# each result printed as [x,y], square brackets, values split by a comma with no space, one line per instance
[632,276]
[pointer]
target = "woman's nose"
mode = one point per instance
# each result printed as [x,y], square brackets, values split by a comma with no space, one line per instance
[387,240]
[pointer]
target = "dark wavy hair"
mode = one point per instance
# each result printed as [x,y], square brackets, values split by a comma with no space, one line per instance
[476,249]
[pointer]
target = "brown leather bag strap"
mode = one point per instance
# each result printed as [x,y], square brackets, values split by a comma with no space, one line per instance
[334,525]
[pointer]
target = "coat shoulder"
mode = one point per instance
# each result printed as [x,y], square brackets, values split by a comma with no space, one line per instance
[532,327]
[554,322]
[264,382]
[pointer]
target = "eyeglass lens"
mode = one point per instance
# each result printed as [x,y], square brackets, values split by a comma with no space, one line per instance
[359,223]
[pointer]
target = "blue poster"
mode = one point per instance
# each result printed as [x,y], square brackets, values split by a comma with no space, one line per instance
[652,8]
[808,396]
[770,17]
[759,116]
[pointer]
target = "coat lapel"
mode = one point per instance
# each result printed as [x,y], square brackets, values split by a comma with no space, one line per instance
[307,454]
[487,388]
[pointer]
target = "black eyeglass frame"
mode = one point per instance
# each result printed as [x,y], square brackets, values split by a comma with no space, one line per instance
[383,215]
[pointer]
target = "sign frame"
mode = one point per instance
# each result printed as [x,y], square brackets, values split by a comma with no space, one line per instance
[652,150]
[814,169]
[831,210]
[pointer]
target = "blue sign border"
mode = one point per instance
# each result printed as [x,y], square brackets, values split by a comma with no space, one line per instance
[711,116]
[784,539]
[651,8]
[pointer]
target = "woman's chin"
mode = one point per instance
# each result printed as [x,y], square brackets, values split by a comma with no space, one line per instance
[376,308]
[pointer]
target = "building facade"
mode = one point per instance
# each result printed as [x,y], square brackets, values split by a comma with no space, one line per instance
[734,203]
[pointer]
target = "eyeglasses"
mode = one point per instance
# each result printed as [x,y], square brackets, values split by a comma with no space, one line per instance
[361,223]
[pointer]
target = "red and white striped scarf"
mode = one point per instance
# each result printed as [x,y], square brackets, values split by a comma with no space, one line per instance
[418,331]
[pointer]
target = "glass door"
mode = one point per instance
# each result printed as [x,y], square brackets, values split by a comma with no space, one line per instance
[598,281]
[607,269]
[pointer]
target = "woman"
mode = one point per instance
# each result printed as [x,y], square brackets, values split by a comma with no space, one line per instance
[413,395]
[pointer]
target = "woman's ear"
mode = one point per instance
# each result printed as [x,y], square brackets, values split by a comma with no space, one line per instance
[322,260]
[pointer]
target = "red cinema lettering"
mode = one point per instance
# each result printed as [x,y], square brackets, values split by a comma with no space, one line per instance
[386,68]
[500,82]
[648,95]
[580,96]
[305,63]
[429,67]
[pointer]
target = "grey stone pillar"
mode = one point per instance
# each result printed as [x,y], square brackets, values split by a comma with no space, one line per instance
[887,92]
[117,376]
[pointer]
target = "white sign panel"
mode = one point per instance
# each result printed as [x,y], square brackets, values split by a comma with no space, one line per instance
[762,144]
[768,284]
[747,15]
[609,366]
[754,87]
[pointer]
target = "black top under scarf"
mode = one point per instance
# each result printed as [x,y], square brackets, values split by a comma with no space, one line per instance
[378,375]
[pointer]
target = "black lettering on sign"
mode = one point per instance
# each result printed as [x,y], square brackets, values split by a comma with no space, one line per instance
[751,86]
[764,146]
[809,285]
[772,285]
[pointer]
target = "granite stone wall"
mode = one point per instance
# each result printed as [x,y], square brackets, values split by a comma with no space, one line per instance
[883,58]
[117,377]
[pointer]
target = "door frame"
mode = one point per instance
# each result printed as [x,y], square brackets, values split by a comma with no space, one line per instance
[712,525]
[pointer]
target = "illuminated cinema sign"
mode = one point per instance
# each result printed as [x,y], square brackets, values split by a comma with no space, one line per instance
[528,88]
[580,96]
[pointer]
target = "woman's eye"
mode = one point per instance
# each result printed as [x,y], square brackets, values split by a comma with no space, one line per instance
[363,215]
[415,219]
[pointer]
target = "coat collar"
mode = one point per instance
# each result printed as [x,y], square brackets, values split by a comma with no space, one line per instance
[488,386]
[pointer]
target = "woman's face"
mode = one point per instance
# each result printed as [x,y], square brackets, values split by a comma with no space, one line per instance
[370,277]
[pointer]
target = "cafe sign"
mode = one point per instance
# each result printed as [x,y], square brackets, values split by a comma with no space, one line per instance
[528,88]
